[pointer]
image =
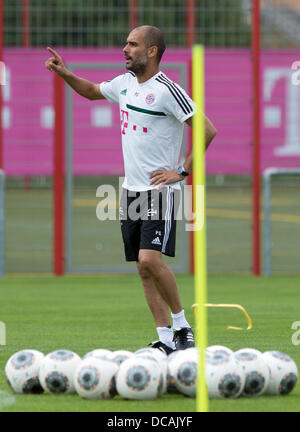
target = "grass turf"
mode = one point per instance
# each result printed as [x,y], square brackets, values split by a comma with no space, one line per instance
[29,228]
[82,313]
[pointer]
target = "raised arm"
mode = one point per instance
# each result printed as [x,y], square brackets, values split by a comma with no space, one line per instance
[82,86]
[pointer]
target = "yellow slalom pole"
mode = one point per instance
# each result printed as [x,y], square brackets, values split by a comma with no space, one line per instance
[199,222]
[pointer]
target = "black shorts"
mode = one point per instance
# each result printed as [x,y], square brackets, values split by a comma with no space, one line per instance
[148,221]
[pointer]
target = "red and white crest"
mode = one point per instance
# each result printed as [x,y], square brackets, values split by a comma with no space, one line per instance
[150,98]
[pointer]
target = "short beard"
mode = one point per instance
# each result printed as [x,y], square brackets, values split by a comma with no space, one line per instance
[139,66]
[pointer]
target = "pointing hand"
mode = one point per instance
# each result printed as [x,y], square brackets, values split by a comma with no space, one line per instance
[55,63]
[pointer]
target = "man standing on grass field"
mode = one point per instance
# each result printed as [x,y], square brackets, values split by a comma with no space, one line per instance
[153,111]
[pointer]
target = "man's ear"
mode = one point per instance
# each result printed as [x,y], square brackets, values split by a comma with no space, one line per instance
[152,51]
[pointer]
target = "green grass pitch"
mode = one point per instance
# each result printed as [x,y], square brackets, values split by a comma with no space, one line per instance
[82,313]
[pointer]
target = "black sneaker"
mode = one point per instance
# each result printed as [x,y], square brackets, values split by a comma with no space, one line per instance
[162,347]
[184,338]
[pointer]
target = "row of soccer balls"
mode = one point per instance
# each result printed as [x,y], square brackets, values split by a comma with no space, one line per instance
[148,373]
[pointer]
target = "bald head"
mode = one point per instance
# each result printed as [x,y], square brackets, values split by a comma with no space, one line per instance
[153,36]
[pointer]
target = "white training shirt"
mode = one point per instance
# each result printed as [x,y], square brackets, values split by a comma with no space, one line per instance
[152,124]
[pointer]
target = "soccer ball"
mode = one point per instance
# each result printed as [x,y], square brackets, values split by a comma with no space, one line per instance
[256,371]
[184,371]
[157,353]
[120,355]
[22,371]
[284,372]
[57,371]
[101,353]
[139,378]
[224,375]
[219,349]
[161,358]
[94,378]
[171,387]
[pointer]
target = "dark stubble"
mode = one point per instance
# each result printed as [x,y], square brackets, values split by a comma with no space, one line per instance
[139,65]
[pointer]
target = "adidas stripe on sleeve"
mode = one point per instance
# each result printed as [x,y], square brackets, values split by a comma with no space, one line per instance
[177,102]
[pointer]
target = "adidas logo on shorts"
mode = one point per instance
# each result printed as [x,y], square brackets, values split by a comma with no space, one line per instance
[156,241]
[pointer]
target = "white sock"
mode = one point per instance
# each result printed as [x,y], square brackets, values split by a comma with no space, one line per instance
[179,320]
[165,335]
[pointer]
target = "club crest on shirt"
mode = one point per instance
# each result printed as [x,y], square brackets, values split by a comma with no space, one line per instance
[150,98]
